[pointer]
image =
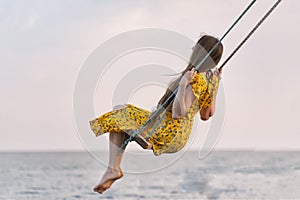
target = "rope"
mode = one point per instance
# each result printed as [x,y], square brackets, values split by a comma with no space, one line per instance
[202,61]
[249,34]
[236,49]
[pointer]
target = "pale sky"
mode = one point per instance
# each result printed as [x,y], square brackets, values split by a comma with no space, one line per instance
[44,43]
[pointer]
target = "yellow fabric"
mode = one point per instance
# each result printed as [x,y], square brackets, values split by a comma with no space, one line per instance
[170,135]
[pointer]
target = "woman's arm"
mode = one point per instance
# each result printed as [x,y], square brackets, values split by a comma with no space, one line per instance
[179,107]
[206,113]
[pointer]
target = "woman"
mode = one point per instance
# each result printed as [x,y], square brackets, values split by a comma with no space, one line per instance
[168,131]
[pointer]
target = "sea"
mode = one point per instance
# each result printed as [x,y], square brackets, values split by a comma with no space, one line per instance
[220,175]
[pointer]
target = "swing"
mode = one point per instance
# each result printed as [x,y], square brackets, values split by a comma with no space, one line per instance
[142,142]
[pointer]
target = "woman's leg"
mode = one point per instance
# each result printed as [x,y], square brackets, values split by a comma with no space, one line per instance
[113,171]
[115,152]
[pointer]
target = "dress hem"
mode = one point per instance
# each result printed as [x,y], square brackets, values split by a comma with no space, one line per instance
[95,127]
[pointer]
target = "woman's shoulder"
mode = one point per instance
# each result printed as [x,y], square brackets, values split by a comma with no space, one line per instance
[201,82]
[205,78]
[199,79]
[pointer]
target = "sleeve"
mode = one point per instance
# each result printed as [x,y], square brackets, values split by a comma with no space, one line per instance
[212,87]
[204,89]
[199,85]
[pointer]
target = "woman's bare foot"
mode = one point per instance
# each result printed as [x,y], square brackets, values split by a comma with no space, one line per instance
[140,140]
[108,179]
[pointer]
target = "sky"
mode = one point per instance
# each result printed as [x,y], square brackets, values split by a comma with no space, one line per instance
[44,43]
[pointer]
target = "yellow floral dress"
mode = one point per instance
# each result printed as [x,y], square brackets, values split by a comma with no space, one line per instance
[170,135]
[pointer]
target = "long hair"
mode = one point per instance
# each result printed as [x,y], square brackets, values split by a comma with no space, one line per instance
[200,51]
